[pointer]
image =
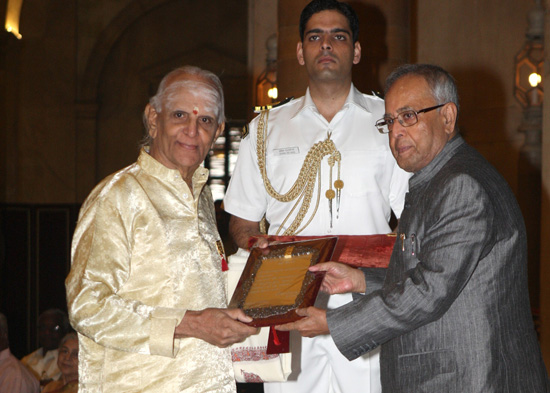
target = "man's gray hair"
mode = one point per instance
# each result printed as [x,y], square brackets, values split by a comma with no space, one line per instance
[441,83]
[162,92]
[67,337]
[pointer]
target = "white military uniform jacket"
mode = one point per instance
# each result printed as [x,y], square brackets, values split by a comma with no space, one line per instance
[374,185]
[373,182]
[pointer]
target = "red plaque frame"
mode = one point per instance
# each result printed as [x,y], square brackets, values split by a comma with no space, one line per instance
[289,260]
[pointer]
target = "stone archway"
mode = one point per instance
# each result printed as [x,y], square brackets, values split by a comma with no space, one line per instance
[87,100]
[131,54]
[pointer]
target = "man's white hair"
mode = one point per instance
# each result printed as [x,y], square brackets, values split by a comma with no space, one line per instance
[214,89]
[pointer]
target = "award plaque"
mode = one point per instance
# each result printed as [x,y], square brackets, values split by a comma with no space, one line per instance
[354,250]
[276,280]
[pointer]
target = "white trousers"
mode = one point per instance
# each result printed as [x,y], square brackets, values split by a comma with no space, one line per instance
[319,367]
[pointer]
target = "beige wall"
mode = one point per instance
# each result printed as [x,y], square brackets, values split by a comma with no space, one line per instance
[39,135]
[477,41]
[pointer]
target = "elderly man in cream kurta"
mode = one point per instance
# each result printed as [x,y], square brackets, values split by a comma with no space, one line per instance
[146,291]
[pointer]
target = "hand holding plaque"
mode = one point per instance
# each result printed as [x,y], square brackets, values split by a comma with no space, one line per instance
[276,281]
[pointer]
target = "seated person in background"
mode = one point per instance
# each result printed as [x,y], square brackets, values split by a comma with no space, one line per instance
[67,361]
[53,324]
[14,377]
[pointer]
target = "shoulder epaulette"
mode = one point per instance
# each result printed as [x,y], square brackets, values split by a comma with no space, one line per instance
[244,131]
[258,109]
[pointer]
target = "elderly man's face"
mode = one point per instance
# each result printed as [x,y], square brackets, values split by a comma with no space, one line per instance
[186,127]
[416,146]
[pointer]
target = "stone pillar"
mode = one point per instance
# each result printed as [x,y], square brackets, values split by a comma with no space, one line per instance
[545,204]
[291,77]
[10,48]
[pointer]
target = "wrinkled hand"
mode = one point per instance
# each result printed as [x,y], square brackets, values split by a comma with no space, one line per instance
[313,324]
[219,327]
[340,278]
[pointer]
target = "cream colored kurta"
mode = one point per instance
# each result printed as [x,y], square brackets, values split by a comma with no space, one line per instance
[144,251]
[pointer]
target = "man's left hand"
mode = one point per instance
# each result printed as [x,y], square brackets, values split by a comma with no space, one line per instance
[313,324]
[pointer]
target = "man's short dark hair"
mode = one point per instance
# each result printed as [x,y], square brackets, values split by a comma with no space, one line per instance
[316,6]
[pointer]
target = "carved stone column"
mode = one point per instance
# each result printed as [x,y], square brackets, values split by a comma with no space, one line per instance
[10,48]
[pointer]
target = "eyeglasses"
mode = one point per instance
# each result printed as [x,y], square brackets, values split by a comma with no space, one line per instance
[405,118]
